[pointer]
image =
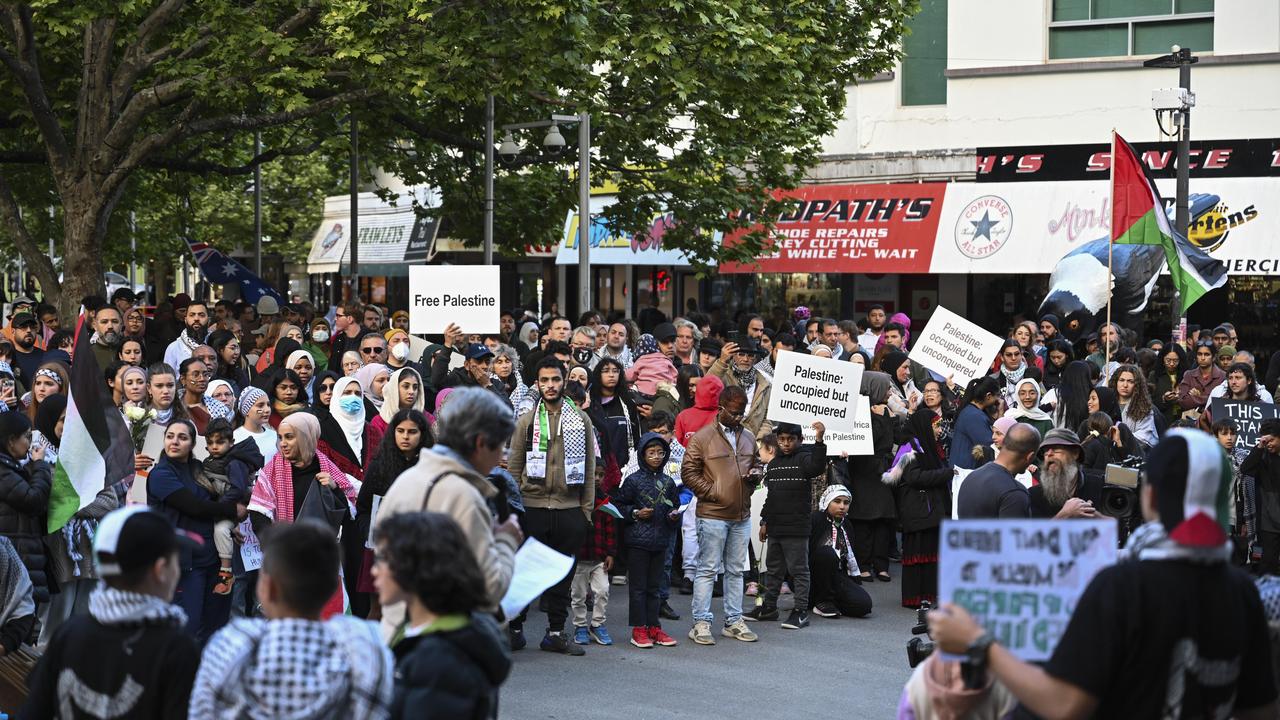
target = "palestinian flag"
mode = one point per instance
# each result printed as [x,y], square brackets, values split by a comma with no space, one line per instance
[96,450]
[1138,217]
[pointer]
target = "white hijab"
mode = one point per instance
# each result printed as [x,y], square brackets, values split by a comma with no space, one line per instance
[1018,412]
[529,334]
[391,395]
[352,425]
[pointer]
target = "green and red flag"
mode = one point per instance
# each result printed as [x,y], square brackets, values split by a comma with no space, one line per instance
[1138,217]
[95,451]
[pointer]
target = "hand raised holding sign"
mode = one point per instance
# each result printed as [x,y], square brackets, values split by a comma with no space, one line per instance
[818,431]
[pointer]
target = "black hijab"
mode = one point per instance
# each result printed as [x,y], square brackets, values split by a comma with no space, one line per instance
[930,456]
[51,408]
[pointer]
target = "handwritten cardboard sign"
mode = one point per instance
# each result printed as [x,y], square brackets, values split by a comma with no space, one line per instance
[807,388]
[1248,417]
[951,345]
[1021,579]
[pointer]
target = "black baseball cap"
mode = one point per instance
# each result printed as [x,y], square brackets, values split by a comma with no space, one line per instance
[664,332]
[23,319]
[123,294]
[134,537]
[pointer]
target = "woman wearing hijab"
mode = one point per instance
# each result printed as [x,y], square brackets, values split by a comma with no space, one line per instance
[903,394]
[922,488]
[1012,368]
[528,337]
[301,362]
[402,390]
[24,498]
[302,482]
[220,400]
[372,378]
[873,511]
[345,437]
[1026,408]
[324,384]
[287,397]
[172,488]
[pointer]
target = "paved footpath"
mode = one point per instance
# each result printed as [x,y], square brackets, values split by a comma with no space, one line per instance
[839,668]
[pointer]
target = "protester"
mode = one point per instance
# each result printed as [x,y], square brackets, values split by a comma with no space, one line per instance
[128,655]
[399,450]
[450,656]
[24,499]
[1209,614]
[872,512]
[1066,489]
[1026,408]
[287,395]
[717,468]
[228,475]
[973,425]
[832,563]
[1136,410]
[650,367]
[649,503]
[196,328]
[1199,381]
[255,409]
[295,663]
[922,490]
[1263,465]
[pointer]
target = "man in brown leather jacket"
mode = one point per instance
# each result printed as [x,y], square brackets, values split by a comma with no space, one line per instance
[717,468]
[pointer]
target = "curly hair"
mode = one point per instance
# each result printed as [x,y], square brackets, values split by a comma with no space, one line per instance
[428,556]
[1139,406]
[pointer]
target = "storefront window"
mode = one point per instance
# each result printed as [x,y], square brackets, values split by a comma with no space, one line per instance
[656,282]
[820,292]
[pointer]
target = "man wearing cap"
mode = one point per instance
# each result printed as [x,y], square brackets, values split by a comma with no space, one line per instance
[21,304]
[475,368]
[1225,356]
[193,335]
[993,490]
[129,656]
[737,366]
[268,309]
[1173,632]
[1066,489]
[665,336]
[27,354]
[123,299]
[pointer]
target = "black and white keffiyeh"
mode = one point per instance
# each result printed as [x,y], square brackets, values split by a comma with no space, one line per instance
[15,583]
[121,607]
[573,433]
[287,669]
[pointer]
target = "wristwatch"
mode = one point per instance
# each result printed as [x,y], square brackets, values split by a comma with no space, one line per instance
[974,668]
[635,514]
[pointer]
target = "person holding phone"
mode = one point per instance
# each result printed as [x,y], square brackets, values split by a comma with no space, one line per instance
[1263,466]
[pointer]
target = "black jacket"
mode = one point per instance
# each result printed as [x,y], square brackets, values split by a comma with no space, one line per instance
[872,499]
[924,497]
[820,527]
[1264,468]
[24,503]
[161,660]
[789,479]
[442,377]
[645,488]
[452,673]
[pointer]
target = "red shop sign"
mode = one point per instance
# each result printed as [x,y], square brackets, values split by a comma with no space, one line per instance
[886,228]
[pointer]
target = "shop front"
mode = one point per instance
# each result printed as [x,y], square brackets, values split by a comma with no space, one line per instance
[628,272]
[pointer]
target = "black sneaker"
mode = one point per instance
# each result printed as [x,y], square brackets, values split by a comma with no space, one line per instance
[686,586]
[826,610]
[796,620]
[560,643]
[760,613]
[666,612]
[516,635]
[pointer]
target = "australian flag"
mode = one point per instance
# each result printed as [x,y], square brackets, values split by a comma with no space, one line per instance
[219,269]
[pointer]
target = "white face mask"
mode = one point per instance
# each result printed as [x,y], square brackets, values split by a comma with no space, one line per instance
[400,351]
[320,335]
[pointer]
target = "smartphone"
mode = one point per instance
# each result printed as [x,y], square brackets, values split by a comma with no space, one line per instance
[734,337]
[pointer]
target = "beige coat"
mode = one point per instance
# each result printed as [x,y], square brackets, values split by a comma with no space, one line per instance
[552,493]
[755,420]
[461,493]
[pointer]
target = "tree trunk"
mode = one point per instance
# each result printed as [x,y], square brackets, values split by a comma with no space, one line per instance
[84,230]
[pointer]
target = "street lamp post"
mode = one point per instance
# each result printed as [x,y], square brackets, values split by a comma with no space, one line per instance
[554,142]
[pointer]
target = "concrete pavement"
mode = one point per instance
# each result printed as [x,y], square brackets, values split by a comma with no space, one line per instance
[844,667]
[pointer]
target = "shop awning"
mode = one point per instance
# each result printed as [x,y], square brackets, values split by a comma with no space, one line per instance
[391,236]
[610,247]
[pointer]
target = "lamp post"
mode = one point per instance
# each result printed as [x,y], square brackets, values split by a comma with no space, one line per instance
[553,141]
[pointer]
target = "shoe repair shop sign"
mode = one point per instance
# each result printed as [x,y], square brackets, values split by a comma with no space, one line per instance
[1021,579]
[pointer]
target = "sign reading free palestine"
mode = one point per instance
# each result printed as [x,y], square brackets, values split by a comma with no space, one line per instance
[462,295]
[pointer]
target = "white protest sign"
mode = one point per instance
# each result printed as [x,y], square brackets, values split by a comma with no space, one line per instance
[855,442]
[464,295]
[538,567]
[951,345]
[1021,579]
[808,388]
[250,549]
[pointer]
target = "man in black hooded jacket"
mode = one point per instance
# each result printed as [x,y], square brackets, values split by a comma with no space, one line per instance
[784,521]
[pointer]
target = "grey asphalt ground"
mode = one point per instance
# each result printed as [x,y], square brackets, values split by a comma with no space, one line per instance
[844,667]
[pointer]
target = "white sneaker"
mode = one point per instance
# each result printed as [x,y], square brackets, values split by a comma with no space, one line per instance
[739,631]
[701,633]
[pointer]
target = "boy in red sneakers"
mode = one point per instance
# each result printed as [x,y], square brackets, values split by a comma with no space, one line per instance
[648,501]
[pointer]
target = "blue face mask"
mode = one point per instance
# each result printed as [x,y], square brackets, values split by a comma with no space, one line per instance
[350,404]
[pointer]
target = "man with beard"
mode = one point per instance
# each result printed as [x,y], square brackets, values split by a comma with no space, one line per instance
[784,342]
[1066,489]
[875,325]
[107,335]
[27,356]
[737,367]
[615,345]
[197,328]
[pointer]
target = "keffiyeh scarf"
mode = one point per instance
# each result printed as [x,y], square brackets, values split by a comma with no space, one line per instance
[573,434]
[1151,542]
[15,583]
[121,607]
[273,492]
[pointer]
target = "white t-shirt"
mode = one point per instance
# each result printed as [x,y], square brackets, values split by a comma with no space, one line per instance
[266,440]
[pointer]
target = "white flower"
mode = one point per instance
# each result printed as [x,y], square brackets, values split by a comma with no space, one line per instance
[152,414]
[134,413]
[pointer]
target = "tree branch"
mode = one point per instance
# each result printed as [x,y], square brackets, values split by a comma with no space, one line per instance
[251,122]
[25,67]
[41,264]
[431,133]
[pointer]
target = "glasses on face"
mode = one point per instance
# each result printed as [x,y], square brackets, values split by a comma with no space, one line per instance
[200,374]
[371,350]
[730,413]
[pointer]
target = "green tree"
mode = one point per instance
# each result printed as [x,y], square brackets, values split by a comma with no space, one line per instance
[699,107]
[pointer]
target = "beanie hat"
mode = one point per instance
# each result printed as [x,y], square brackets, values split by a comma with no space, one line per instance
[831,493]
[249,397]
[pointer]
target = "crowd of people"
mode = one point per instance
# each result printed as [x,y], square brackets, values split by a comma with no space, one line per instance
[334,469]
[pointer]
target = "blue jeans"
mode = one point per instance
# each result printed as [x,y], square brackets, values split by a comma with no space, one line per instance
[721,543]
[664,583]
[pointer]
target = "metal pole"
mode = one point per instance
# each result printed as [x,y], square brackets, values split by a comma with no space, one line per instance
[355,207]
[257,205]
[488,180]
[584,212]
[1182,212]
[133,249]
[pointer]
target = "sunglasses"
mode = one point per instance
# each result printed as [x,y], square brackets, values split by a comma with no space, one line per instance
[371,350]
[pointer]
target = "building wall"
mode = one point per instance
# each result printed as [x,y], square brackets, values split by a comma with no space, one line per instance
[1002,89]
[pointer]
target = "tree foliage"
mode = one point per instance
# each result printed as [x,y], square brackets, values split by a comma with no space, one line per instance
[699,107]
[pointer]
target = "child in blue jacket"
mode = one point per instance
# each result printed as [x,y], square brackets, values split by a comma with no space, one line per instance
[648,501]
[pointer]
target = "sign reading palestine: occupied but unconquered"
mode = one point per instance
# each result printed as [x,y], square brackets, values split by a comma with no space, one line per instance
[808,389]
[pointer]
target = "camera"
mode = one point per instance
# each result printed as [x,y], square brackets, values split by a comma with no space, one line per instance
[919,648]
[1120,493]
